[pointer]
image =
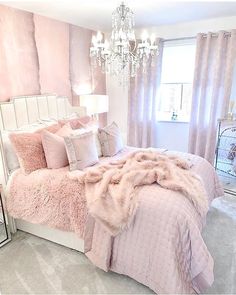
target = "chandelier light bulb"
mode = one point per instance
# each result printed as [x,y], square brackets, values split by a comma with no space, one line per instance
[99,36]
[94,40]
[144,36]
[153,39]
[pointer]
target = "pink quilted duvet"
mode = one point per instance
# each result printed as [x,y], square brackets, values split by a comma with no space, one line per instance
[162,248]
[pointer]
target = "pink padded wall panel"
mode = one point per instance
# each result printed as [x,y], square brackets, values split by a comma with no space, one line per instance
[52,41]
[80,71]
[18,54]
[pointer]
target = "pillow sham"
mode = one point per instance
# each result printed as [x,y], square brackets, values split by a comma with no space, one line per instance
[81,150]
[54,147]
[29,150]
[110,140]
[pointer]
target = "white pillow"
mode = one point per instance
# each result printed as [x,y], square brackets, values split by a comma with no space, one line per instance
[94,129]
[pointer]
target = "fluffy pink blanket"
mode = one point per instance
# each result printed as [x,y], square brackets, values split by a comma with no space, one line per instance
[111,189]
[48,197]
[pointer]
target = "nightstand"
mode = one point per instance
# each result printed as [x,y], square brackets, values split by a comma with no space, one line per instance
[4,231]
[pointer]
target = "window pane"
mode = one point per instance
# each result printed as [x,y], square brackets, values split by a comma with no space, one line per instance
[186,99]
[170,97]
[178,64]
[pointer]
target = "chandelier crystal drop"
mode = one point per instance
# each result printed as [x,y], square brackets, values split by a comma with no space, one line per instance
[123,55]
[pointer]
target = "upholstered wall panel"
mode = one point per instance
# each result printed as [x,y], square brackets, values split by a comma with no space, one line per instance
[80,70]
[40,55]
[18,54]
[52,42]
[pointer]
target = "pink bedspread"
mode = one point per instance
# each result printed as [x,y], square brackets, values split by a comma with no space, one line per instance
[163,247]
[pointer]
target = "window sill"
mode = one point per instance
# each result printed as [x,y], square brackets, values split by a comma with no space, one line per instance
[173,121]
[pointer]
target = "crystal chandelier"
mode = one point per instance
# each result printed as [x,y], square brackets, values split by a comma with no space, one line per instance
[123,54]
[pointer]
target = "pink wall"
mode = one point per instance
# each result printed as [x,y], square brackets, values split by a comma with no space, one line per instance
[19,72]
[41,55]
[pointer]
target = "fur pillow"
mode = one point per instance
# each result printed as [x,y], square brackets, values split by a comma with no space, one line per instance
[29,150]
[110,140]
[81,150]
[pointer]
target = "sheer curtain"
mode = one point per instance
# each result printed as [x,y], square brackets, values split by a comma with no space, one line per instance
[143,93]
[215,59]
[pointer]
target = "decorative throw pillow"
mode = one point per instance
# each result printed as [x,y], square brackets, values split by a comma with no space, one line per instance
[76,123]
[54,147]
[110,139]
[52,128]
[29,150]
[81,150]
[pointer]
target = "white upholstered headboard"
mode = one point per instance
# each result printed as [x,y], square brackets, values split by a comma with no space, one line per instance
[24,110]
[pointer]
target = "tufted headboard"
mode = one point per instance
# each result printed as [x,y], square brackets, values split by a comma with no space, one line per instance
[25,110]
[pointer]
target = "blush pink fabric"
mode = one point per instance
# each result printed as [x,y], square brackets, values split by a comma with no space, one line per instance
[77,123]
[19,70]
[54,147]
[59,200]
[29,150]
[80,71]
[52,128]
[123,178]
[162,247]
[52,41]
[81,150]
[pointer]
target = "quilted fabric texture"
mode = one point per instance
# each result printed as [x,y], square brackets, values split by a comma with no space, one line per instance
[110,139]
[29,150]
[162,248]
[81,150]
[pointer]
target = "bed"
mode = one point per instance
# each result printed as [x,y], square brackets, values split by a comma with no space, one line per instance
[162,247]
[21,111]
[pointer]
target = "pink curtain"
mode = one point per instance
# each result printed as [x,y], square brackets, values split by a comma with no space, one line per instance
[143,95]
[215,58]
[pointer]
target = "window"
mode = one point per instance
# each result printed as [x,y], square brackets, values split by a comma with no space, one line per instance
[176,81]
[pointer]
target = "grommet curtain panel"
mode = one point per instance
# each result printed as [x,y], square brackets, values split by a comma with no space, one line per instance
[143,95]
[214,65]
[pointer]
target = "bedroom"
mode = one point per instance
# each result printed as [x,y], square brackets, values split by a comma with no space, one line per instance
[118,145]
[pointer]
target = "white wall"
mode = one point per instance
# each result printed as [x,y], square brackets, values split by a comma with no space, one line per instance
[171,135]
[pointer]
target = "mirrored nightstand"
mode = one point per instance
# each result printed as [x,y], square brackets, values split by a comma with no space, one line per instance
[5,236]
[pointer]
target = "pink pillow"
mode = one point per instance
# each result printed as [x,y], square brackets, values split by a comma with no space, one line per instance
[54,147]
[52,128]
[29,150]
[81,150]
[77,123]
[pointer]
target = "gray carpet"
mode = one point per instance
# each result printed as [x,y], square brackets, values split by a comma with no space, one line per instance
[30,265]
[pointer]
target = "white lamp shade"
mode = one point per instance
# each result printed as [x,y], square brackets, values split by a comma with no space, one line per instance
[94,104]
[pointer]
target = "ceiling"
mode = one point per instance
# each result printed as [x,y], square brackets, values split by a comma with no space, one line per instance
[96,14]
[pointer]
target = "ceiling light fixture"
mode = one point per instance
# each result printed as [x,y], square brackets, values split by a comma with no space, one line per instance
[123,55]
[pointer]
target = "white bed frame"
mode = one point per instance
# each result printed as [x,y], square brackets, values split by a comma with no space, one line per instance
[24,110]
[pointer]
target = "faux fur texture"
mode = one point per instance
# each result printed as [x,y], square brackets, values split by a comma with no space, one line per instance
[111,189]
[48,197]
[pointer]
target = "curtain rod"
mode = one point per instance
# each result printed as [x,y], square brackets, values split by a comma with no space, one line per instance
[194,37]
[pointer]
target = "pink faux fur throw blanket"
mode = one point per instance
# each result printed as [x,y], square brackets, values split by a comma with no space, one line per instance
[48,197]
[111,189]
